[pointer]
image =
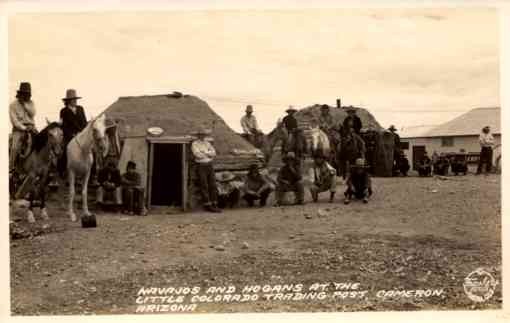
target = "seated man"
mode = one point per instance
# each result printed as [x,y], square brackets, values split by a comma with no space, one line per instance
[404,164]
[358,182]
[290,180]
[229,190]
[442,165]
[424,166]
[323,177]
[257,187]
[109,183]
[132,191]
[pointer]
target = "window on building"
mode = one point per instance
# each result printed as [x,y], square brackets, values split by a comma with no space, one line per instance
[404,145]
[447,142]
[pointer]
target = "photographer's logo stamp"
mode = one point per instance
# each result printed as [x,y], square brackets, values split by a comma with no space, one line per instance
[479,285]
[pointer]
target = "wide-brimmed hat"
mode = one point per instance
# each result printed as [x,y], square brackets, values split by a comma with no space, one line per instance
[392,128]
[249,108]
[290,155]
[324,107]
[360,162]
[291,109]
[486,128]
[202,131]
[25,87]
[71,95]
[225,176]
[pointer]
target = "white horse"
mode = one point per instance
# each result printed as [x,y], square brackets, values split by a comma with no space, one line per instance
[80,159]
[320,141]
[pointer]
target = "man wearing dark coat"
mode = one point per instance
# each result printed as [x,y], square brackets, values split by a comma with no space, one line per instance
[73,120]
[352,121]
[396,148]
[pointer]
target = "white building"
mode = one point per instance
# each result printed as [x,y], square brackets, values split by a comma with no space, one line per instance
[452,136]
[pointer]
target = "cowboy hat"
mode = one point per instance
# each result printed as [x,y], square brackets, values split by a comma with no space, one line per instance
[360,162]
[290,155]
[392,128]
[291,109]
[225,176]
[131,164]
[249,108]
[71,94]
[324,107]
[202,131]
[24,87]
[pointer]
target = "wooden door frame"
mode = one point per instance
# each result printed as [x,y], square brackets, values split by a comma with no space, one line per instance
[183,141]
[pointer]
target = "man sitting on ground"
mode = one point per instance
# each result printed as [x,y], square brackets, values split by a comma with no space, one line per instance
[424,166]
[109,183]
[290,180]
[323,177]
[257,187]
[132,191]
[229,190]
[358,182]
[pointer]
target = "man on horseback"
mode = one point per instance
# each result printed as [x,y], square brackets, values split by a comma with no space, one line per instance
[352,120]
[327,125]
[73,120]
[251,130]
[21,112]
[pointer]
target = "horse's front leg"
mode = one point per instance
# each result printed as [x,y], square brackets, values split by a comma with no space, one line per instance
[42,194]
[84,189]
[70,209]
[30,212]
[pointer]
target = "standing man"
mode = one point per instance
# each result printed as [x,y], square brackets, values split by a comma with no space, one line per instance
[487,144]
[326,122]
[396,148]
[291,125]
[352,121]
[251,130]
[21,113]
[204,153]
[72,117]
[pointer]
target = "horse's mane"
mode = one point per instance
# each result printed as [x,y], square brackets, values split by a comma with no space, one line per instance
[41,139]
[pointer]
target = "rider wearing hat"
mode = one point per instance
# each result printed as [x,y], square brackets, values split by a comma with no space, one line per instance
[250,126]
[73,119]
[289,121]
[204,153]
[290,180]
[21,113]
[352,120]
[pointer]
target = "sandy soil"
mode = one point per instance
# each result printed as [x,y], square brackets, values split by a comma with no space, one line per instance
[415,233]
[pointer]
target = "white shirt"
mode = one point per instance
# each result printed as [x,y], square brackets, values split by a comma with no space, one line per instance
[203,151]
[21,114]
[486,140]
[249,123]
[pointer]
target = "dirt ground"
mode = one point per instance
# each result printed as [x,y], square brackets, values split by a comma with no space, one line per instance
[415,233]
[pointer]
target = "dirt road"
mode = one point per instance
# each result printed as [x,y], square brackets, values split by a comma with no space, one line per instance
[415,234]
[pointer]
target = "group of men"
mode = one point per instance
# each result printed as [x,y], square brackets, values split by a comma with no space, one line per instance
[73,120]
[439,164]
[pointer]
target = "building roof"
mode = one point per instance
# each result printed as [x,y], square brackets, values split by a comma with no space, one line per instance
[468,124]
[179,117]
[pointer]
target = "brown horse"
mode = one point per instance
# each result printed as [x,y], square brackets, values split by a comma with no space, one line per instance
[31,176]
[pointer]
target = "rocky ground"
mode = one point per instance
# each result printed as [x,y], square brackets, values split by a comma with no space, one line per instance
[415,233]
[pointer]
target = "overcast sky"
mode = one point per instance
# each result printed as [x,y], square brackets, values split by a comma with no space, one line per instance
[400,64]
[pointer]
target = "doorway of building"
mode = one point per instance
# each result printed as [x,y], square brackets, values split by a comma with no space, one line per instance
[418,152]
[167,175]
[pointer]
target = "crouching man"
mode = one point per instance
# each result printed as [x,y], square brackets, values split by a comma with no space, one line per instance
[290,180]
[359,184]
[229,190]
[257,187]
[132,191]
[323,177]
[109,184]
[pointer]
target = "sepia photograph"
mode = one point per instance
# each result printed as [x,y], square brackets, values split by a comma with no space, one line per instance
[319,160]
